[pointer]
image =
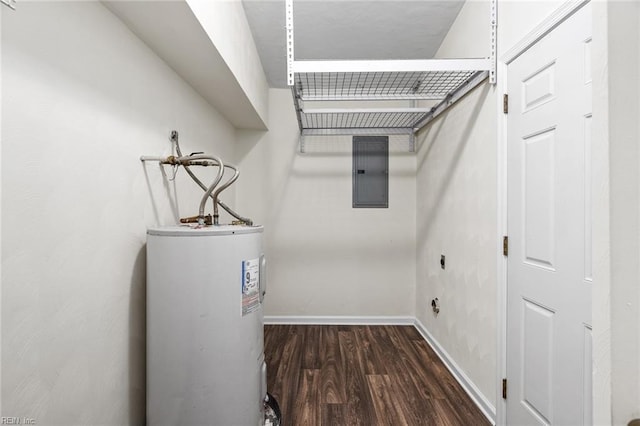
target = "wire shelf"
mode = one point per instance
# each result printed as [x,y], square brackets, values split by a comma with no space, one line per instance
[375,83]
[362,119]
[443,80]
[418,85]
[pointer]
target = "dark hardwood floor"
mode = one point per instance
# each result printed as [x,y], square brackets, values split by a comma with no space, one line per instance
[362,375]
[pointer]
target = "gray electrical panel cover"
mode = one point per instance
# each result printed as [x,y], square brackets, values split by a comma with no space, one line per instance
[371,171]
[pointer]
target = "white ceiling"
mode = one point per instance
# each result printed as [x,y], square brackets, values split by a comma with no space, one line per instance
[349,29]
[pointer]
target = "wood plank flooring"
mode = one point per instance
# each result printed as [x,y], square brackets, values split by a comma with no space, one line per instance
[362,375]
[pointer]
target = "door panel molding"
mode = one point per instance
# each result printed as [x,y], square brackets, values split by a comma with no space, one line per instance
[547,25]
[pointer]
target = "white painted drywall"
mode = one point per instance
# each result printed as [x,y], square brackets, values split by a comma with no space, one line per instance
[82,99]
[226,24]
[517,18]
[324,257]
[457,200]
[616,206]
[1,137]
[456,216]
[616,213]
[176,34]
[601,300]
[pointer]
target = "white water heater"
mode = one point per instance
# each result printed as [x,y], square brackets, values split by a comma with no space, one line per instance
[205,360]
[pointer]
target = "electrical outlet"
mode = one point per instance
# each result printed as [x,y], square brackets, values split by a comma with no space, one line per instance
[442,261]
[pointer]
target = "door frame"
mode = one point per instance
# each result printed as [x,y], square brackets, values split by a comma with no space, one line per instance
[560,15]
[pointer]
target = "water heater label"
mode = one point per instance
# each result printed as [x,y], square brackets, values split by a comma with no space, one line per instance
[250,285]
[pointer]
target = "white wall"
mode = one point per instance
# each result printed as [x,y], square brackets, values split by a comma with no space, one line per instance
[324,257]
[601,300]
[616,206]
[517,18]
[624,110]
[220,19]
[1,256]
[457,201]
[616,213]
[82,99]
[456,216]
[76,113]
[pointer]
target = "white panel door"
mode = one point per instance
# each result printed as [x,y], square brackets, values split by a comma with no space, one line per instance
[549,228]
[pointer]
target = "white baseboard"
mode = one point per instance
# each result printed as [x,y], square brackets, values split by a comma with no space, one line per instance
[338,320]
[472,390]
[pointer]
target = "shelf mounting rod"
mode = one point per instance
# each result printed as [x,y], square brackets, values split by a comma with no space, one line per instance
[494,37]
[290,56]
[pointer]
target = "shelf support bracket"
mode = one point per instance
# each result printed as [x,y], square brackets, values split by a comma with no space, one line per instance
[10,3]
[290,55]
[453,97]
[494,41]
[301,143]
